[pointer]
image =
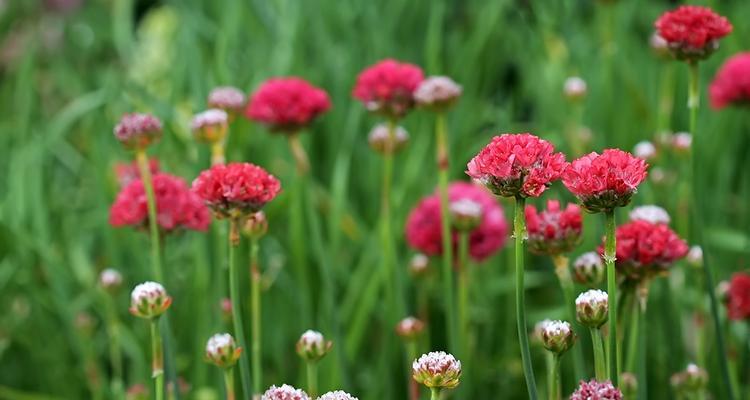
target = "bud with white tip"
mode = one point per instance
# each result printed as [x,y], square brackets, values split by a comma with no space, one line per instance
[588,269]
[419,265]
[381,141]
[682,141]
[592,308]
[645,150]
[691,382]
[256,225]
[222,351]
[695,256]
[437,369]
[437,93]
[650,213]
[575,88]
[409,328]
[312,346]
[110,279]
[466,214]
[210,126]
[558,336]
[149,300]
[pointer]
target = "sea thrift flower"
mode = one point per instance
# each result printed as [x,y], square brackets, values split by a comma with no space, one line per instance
[592,308]
[176,206]
[593,390]
[513,165]
[236,189]
[423,224]
[227,98]
[388,87]
[558,336]
[380,139]
[437,369]
[138,131]
[128,172]
[287,105]
[285,392]
[682,141]
[222,351]
[553,231]
[738,297]
[690,382]
[628,385]
[692,32]
[588,269]
[337,395]
[409,328]
[210,126]
[604,182]
[645,249]
[575,88]
[536,333]
[731,86]
[149,300]
[110,279]
[312,346]
[466,214]
[650,213]
[695,256]
[437,93]
[419,264]
[645,150]
[256,225]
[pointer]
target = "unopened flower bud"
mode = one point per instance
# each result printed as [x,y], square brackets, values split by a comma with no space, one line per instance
[592,308]
[659,46]
[659,176]
[437,369]
[284,392]
[227,98]
[682,141]
[650,213]
[722,291]
[575,88]
[110,279]
[558,336]
[419,265]
[645,150]
[695,256]
[222,351]
[628,385]
[437,93]
[138,131]
[409,328]
[381,141]
[536,334]
[690,382]
[337,395]
[466,214]
[312,346]
[588,269]
[210,126]
[149,300]
[256,225]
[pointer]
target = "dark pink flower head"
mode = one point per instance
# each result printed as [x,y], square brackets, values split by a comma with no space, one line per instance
[128,172]
[236,189]
[593,390]
[514,165]
[731,86]
[692,32]
[605,181]
[423,224]
[287,104]
[738,296]
[388,87]
[176,206]
[137,130]
[553,231]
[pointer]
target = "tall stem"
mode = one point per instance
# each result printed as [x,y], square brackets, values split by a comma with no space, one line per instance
[562,270]
[312,379]
[115,352]
[600,361]
[411,351]
[388,256]
[153,225]
[554,389]
[157,359]
[441,144]
[434,393]
[633,333]
[519,232]
[217,153]
[613,347]
[234,294]
[229,383]
[255,329]
[463,293]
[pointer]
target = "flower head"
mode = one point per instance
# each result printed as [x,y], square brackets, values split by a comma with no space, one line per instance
[558,336]
[690,382]
[650,213]
[227,98]
[222,351]
[738,296]
[575,88]
[409,328]
[176,206]
[312,346]
[256,225]
[381,141]
[210,126]
[149,300]
[604,181]
[695,256]
[128,172]
[419,265]
[682,141]
[594,390]
[337,395]
[731,85]
[588,269]
[592,308]
[287,104]
[466,214]
[553,231]
[437,93]
[644,150]
[437,369]
[692,32]
[110,279]
[517,165]
[236,189]
[284,392]
[138,130]
[388,87]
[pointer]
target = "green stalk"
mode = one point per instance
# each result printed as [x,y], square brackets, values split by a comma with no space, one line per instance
[600,361]
[115,352]
[388,257]
[153,225]
[613,348]
[562,270]
[157,357]
[255,334]
[412,385]
[555,390]
[463,293]
[549,363]
[519,232]
[312,379]
[633,334]
[434,393]
[217,152]
[229,383]
[234,295]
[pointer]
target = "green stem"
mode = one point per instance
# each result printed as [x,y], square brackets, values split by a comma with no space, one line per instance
[115,352]
[434,393]
[463,293]
[600,362]
[312,379]
[229,383]
[562,270]
[234,295]
[635,317]
[554,390]
[413,386]
[255,280]
[217,152]
[519,227]
[157,357]
[441,144]
[613,351]
[153,225]
[388,256]
[299,153]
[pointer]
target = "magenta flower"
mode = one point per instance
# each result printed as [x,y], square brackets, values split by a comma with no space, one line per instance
[287,105]
[553,231]
[388,87]
[593,390]
[236,189]
[731,86]
[692,32]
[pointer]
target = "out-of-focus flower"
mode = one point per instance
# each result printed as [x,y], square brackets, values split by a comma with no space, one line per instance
[592,308]
[691,382]
[575,88]
[604,182]
[437,369]
[558,336]
[536,334]
[226,308]
[695,256]
[256,225]
[588,269]
[553,231]
[514,165]
[388,87]
[419,264]
[337,395]
[222,351]
[176,206]
[236,189]
[692,32]
[284,392]
[110,279]
[437,93]
[659,45]
[312,346]
[594,390]
[650,213]
[628,385]
[138,130]
[149,300]
[137,391]
[381,141]
[85,323]
[682,141]
[722,292]
[210,126]
[287,105]
[409,328]
[731,85]
[738,296]
[466,214]
[227,98]
[659,176]
[645,150]
[128,172]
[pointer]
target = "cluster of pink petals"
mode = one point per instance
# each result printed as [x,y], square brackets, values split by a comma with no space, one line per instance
[128,172]
[236,189]
[227,98]
[138,130]
[284,392]
[692,32]
[554,230]
[738,296]
[287,104]
[731,86]
[517,165]
[594,390]
[388,87]
[176,206]
[423,226]
[605,181]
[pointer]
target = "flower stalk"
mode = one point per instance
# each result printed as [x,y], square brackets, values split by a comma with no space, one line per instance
[312,378]
[153,226]
[217,152]
[299,153]
[229,383]
[435,393]
[463,291]
[234,295]
[562,270]
[157,359]
[600,361]
[519,233]
[255,305]
[613,369]
[555,389]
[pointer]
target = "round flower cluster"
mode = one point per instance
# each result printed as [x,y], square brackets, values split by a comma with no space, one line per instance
[138,130]
[149,300]
[554,230]
[692,32]
[287,104]
[437,93]
[423,224]
[227,98]
[312,346]
[731,86]
[388,87]
[284,392]
[222,351]
[594,390]
[588,269]
[738,297]
[557,336]
[604,181]
[337,395]
[236,189]
[437,369]
[592,308]
[409,328]
[514,165]
[128,172]
[650,213]
[176,206]
[210,126]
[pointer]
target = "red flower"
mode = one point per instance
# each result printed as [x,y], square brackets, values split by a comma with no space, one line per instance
[692,32]
[603,182]
[517,165]
[731,86]
[738,296]
[128,172]
[138,130]
[287,104]
[553,231]
[176,206]
[388,87]
[423,224]
[594,390]
[236,189]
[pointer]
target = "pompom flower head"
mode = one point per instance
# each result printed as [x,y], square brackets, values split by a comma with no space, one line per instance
[514,165]
[558,336]
[312,346]
[738,297]
[149,300]
[594,390]
[337,395]
[437,370]
[236,189]
[388,87]
[588,269]
[553,231]
[287,105]
[437,93]
[138,130]
[592,308]
[604,181]
[222,351]
[692,32]
[731,86]
[227,98]
[284,392]
[210,126]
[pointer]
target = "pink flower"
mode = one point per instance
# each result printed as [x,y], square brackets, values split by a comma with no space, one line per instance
[731,86]
[423,224]
[287,104]
[128,172]
[388,87]
[692,32]
[227,98]
[517,165]
[593,390]
[284,392]
[236,189]
[176,206]
[603,182]
[738,296]
[138,131]
[553,231]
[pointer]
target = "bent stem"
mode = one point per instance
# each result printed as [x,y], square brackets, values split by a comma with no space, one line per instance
[157,359]
[519,232]
[153,227]
[234,295]
[255,329]
[229,383]
[600,362]
[613,347]
[312,379]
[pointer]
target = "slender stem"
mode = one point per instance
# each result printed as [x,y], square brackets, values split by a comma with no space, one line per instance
[115,352]
[445,224]
[562,270]
[434,393]
[217,153]
[312,379]
[635,317]
[299,153]
[549,363]
[157,359]
[255,334]
[229,383]
[234,295]
[388,256]
[600,362]
[554,390]
[613,371]
[411,351]
[463,293]
[519,228]
[153,225]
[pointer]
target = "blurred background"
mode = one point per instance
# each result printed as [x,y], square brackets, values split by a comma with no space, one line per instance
[70,68]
